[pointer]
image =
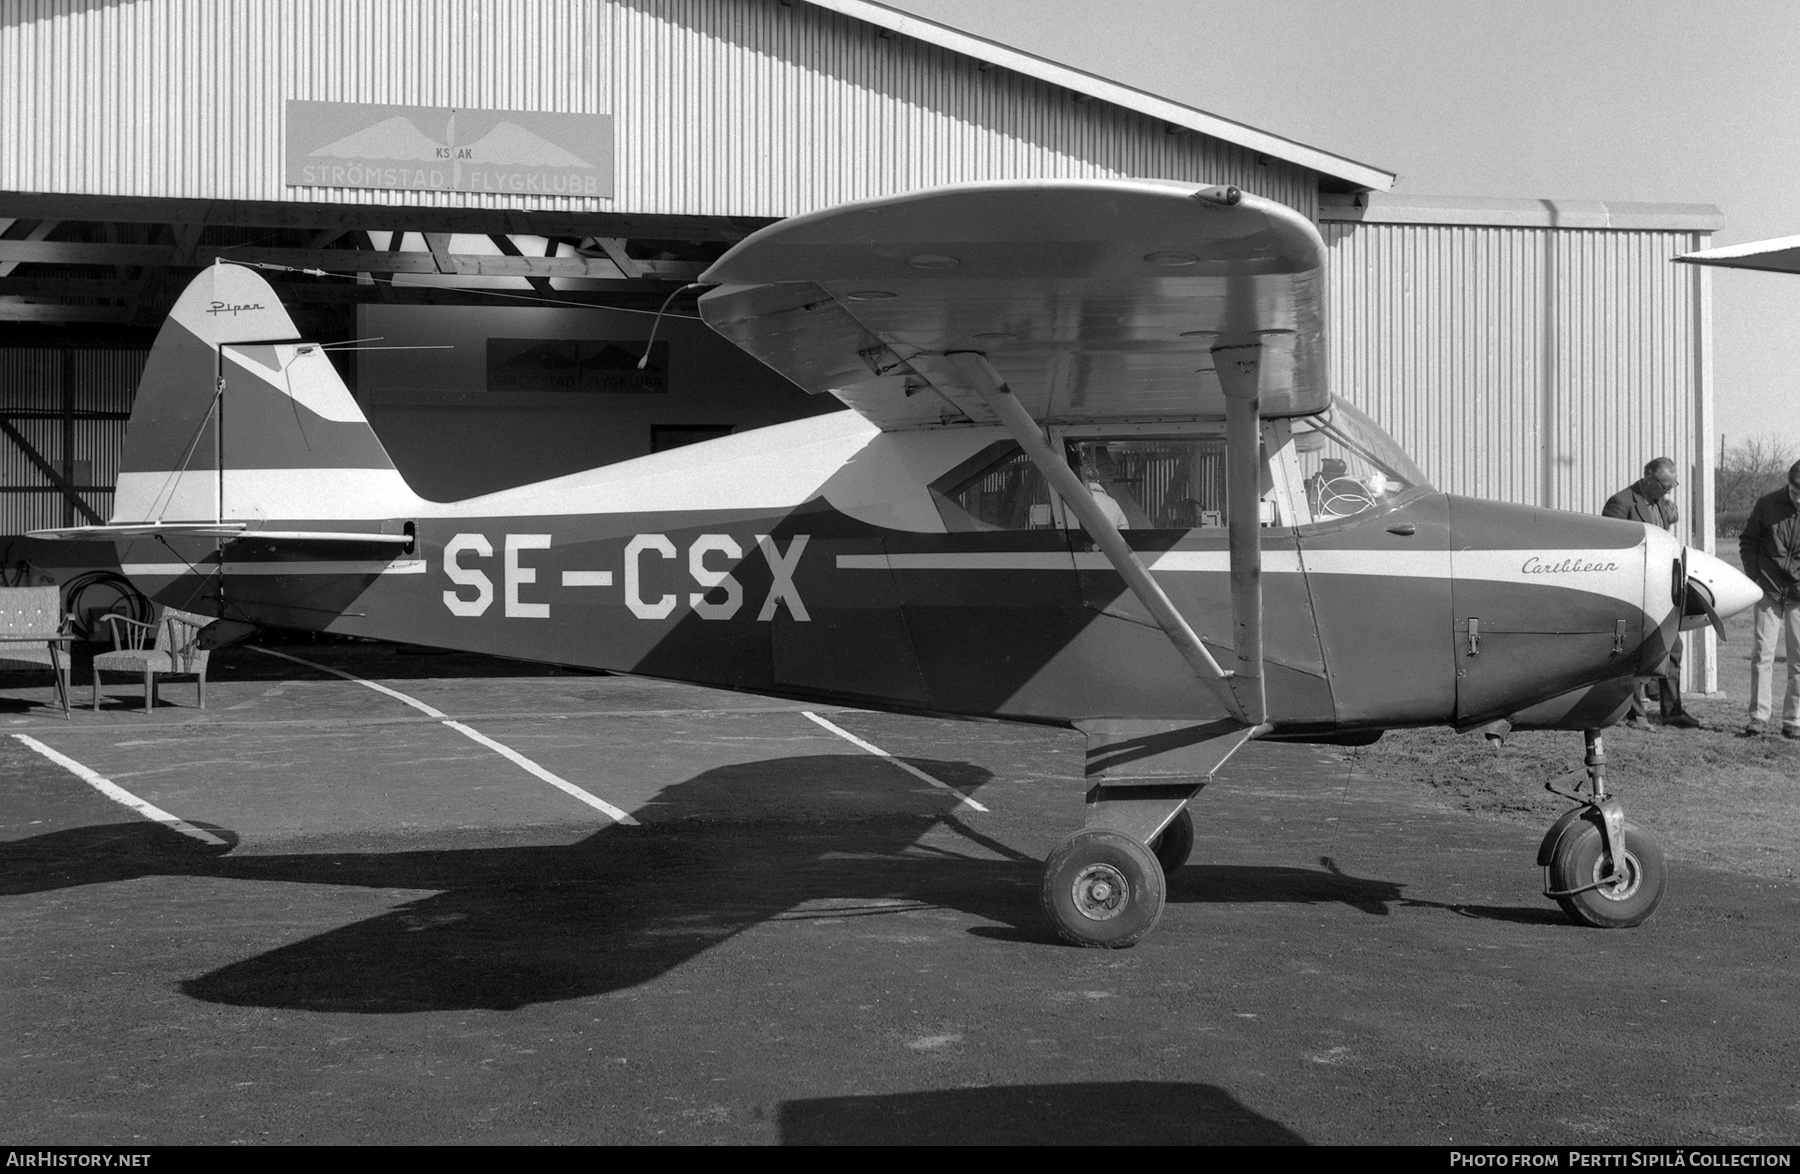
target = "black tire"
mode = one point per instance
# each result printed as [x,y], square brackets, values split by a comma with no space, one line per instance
[1103,888]
[1579,861]
[88,597]
[1175,843]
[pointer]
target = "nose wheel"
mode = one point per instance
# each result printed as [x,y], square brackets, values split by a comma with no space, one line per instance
[1594,890]
[1604,870]
[1103,888]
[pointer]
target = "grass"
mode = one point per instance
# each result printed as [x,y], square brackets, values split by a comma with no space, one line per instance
[1710,795]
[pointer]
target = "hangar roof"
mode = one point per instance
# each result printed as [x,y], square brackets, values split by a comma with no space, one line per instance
[1348,172]
[130,171]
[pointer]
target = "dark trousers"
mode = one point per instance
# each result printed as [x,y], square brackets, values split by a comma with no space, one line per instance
[1668,688]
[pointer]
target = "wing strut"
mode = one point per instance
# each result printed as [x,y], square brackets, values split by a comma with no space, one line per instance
[1237,367]
[981,378]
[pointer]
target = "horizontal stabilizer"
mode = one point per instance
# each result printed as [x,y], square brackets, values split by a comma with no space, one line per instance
[141,530]
[287,536]
[229,531]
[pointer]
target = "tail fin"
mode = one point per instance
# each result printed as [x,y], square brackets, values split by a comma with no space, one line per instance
[236,419]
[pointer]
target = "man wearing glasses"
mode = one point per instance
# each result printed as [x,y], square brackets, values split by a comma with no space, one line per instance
[1652,500]
[1770,548]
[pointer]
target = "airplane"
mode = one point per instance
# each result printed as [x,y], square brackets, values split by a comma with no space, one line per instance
[1090,475]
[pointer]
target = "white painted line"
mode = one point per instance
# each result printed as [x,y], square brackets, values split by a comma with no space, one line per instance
[504,751]
[587,578]
[554,780]
[394,693]
[119,794]
[908,767]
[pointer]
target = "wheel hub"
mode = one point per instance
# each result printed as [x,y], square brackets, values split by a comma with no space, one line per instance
[1100,892]
[1627,884]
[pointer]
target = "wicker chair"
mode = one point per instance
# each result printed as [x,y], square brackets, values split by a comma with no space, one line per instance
[173,650]
[33,634]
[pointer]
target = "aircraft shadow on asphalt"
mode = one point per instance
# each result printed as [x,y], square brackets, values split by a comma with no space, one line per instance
[1126,1112]
[1328,884]
[514,925]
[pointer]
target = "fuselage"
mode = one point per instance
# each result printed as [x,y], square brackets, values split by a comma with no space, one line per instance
[818,559]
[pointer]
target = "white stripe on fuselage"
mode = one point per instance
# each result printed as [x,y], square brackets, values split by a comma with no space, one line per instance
[1617,573]
[877,478]
[193,495]
[767,469]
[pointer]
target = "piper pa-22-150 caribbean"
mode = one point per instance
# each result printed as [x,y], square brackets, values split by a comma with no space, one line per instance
[1091,475]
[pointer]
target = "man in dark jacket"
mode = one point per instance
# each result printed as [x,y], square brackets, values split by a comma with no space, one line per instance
[1652,500]
[1770,548]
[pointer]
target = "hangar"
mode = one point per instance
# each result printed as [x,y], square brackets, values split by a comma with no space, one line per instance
[520,184]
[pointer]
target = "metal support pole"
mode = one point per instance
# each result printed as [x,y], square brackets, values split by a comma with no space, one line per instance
[68,430]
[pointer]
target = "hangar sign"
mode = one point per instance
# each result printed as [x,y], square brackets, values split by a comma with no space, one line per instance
[448,149]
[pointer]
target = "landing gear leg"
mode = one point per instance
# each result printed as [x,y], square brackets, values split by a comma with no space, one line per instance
[1602,869]
[1105,886]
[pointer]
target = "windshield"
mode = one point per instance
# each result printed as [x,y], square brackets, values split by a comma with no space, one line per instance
[1349,463]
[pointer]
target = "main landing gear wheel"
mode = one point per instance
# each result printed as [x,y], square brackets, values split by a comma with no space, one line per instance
[1175,843]
[1103,888]
[1579,870]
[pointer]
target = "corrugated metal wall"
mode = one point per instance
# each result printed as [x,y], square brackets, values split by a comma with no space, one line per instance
[1533,365]
[1543,365]
[722,107]
[770,110]
[186,98]
[33,380]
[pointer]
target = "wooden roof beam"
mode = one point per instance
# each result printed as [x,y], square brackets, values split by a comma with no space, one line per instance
[505,244]
[37,232]
[143,305]
[340,260]
[614,248]
[89,288]
[11,311]
[68,491]
[379,217]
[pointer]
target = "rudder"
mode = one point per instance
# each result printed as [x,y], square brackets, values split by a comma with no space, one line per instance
[236,419]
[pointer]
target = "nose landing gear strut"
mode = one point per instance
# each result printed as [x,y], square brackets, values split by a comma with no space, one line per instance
[1603,870]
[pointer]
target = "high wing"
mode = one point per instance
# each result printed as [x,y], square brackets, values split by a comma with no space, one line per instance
[1043,303]
[1091,299]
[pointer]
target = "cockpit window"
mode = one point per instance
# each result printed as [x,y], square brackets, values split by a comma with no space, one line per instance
[1155,484]
[1349,464]
[1178,481]
[996,489]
